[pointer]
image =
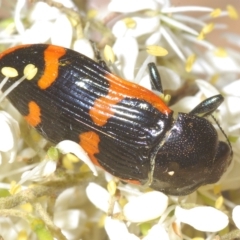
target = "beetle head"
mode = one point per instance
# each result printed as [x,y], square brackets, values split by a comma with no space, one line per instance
[190,156]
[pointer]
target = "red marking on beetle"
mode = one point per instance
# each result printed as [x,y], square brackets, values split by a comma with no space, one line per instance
[13,49]
[34,116]
[136,182]
[119,89]
[51,57]
[89,142]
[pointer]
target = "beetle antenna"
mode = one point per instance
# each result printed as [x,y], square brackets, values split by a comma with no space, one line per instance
[224,134]
[155,77]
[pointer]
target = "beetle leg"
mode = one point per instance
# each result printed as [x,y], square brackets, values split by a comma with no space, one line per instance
[155,77]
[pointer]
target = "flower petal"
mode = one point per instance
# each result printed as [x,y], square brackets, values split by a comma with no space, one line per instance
[68,146]
[50,13]
[186,9]
[170,79]
[60,37]
[17,15]
[100,197]
[126,50]
[232,89]
[43,169]
[84,46]
[157,232]
[178,25]
[207,219]
[226,64]
[69,219]
[127,6]
[146,207]
[236,216]
[39,32]
[206,88]
[142,26]
[10,133]
[185,104]
[154,38]
[117,230]
[6,139]
[233,104]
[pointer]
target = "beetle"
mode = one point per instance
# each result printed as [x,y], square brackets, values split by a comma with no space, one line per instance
[126,129]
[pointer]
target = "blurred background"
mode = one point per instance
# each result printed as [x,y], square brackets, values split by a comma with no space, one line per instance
[233,25]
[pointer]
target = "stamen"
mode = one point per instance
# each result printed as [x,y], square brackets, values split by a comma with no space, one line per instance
[30,71]
[208,28]
[178,25]
[216,13]
[92,13]
[232,12]
[108,53]
[3,82]
[186,9]
[15,84]
[172,41]
[189,63]
[220,52]
[205,30]
[203,43]
[157,51]
[129,22]
[9,72]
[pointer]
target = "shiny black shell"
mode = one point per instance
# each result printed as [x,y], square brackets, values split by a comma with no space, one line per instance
[126,129]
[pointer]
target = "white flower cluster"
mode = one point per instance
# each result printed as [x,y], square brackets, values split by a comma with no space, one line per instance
[135,29]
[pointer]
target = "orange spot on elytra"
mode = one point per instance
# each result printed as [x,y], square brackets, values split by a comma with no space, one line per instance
[13,49]
[89,142]
[118,90]
[34,116]
[51,57]
[136,182]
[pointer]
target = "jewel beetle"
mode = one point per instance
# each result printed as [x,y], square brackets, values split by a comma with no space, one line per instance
[126,129]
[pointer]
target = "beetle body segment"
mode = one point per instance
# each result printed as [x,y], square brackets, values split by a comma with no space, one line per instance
[126,129]
[188,156]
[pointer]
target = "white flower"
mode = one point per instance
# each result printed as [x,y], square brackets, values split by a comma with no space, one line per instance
[232,88]
[117,230]
[68,214]
[68,146]
[42,170]
[47,26]
[207,219]
[142,26]
[157,231]
[101,198]
[236,216]
[70,221]
[146,207]
[127,6]
[134,25]
[84,46]
[9,136]
[126,50]
[7,231]
[59,37]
